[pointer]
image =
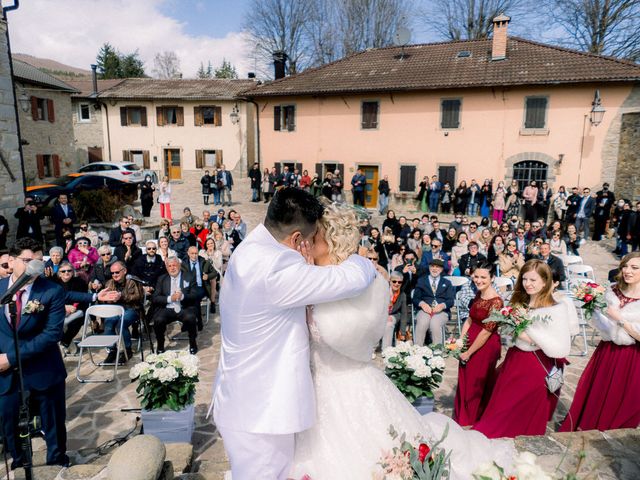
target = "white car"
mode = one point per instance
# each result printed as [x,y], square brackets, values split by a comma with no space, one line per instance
[127,171]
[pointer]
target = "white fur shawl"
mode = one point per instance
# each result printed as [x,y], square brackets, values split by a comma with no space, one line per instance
[609,329]
[553,336]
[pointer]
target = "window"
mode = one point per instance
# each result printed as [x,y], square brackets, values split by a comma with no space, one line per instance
[208,158]
[170,116]
[535,115]
[42,109]
[407,178]
[84,112]
[133,116]
[139,157]
[207,115]
[450,113]
[370,115]
[284,118]
[48,165]
[525,172]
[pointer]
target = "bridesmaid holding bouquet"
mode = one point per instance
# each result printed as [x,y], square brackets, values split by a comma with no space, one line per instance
[521,402]
[478,362]
[608,393]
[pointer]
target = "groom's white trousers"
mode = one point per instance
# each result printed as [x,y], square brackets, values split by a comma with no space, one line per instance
[258,456]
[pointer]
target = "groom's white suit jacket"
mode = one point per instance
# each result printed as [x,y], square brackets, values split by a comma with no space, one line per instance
[263,383]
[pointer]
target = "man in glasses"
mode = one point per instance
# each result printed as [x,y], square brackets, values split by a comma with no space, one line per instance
[178,242]
[5,268]
[435,253]
[398,311]
[149,267]
[585,210]
[521,241]
[115,236]
[433,298]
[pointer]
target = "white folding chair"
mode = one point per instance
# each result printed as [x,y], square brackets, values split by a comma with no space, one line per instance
[93,341]
[503,282]
[581,271]
[583,330]
[457,282]
[569,260]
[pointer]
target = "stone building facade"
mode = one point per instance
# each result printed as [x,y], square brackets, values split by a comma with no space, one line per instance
[11,177]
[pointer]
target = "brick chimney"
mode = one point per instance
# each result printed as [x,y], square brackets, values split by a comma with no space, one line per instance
[279,63]
[499,44]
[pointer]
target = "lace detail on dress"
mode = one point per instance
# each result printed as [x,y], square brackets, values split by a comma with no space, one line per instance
[624,300]
[481,309]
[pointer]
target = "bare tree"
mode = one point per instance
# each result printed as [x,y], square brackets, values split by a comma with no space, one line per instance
[322,31]
[166,65]
[605,27]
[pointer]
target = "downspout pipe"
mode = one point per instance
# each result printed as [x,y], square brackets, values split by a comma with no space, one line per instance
[94,94]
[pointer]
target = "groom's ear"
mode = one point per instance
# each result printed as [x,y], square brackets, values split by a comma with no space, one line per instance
[293,240]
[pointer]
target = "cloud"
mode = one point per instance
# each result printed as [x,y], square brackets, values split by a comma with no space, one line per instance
[72,32]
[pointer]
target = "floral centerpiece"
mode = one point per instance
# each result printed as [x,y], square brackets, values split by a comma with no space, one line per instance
[513,321]
[592,297]
[413,460]
[416,370]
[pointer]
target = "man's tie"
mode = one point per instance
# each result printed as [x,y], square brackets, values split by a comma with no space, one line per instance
[18,307]
[434,285]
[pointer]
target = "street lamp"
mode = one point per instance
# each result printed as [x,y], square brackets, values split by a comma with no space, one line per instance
[235,115]
[24,101]
[597,110]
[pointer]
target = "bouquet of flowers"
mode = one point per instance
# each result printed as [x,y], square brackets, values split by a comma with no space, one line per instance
[166,380]
[415,370]
[455,347]
[591,295]
[524,468]
[513,321]
[413,460]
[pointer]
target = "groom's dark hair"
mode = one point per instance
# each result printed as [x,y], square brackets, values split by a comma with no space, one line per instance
[292,209]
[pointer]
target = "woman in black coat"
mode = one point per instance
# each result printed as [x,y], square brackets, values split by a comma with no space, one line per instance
[146,196]
[461,196]
[205,181]
[391,222]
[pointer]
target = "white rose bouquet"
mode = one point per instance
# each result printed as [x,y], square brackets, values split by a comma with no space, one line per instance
[167,380]
[416,371]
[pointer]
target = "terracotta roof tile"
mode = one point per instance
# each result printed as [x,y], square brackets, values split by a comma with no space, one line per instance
[29,73]
[443,66]
[179,89]
[85,87]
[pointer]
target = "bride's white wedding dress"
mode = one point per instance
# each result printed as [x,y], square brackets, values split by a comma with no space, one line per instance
[356,402]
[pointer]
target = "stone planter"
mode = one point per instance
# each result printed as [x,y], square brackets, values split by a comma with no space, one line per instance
[423,405]
[168,425]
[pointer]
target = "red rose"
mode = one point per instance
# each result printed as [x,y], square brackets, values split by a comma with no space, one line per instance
[592,285]
[588,298]
[423,451]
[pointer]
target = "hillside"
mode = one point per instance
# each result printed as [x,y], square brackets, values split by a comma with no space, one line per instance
[52,67]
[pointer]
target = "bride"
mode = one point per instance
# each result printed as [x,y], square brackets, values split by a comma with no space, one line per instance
[356,402]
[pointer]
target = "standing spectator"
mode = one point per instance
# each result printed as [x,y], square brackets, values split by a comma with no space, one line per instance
[514,188]
[486,197]
[461,196]
[446,197]
[225,184]
[336,187]
[530,196]
[383,194]
[473,199]
[604,201]
[316,185]
[4,230]
[573,203]
[63,217]
[164,199]
[585,210]
[433,297]
[305,181]
[358,184]
[635,228]
[146,196]
[29,221]
[624,230]
[213,187]
[559,202]
[256,181]
[544,200]
[423,194]
[267,185]
[513,205]
[205,182]
[195,265]
[115,236]
[327,186]
[499,203]
[83,257]
[435,187]
[128,252]
[286,178]
[572,240]
[398,311]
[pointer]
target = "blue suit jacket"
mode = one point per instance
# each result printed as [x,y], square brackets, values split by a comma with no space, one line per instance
[39,334]
[445,292]
[428,256]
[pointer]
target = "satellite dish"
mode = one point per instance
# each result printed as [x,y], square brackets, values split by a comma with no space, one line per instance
[402,36]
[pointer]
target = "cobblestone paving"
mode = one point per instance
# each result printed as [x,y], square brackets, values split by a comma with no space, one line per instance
[95,411]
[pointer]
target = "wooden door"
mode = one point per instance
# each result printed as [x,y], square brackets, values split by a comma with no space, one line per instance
[447,174]
[371,189]
[95,154]
[172,163]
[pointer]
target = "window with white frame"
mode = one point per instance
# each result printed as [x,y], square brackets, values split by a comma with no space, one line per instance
[84,112]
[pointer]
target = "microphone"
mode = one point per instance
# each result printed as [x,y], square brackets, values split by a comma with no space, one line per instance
[34,269]
[137,280]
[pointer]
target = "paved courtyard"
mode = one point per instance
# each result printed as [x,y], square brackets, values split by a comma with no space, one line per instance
[95,411]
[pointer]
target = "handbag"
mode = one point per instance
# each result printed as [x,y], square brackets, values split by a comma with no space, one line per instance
[554,378]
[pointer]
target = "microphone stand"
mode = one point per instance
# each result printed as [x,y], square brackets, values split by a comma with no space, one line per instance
[23,416]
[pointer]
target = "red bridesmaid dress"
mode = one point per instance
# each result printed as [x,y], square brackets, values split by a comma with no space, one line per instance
[474,377]
[608,393]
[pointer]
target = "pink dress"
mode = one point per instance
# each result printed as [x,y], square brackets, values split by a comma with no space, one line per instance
[474,377]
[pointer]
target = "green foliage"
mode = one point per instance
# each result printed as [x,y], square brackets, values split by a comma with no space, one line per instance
[226,70]
[113,64]
[205,72]
[100,205]
[132,66]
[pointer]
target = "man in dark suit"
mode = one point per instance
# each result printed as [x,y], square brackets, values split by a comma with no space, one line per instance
[40,324]
[175,299]
[584,212]
[149,267]
[555,264]
[435,252]
[63,217]
[225,184]
[573,202]
[115,235]
[29,221]
[195,266]
[603,203]
[432,299]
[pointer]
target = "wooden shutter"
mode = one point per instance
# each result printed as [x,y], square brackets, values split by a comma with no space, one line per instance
[218,157]
[40,164]
[450,114]
[126,156]
[34,109]
[160,116]
[299,167]
[51,114]
[217,116]
[369,114]
[56,165]
[407,178]
[291,118]
[535,112]
[123,116]
[319,170]
[180,115]
[143,116]
[199,159]
[276,118]
[145,160]
[198,118]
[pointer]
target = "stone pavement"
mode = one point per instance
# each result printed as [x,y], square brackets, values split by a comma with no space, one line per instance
[95,413]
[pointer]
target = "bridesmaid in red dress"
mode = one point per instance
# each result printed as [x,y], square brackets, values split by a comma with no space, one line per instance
[483,352]
[520,402]
[608,393]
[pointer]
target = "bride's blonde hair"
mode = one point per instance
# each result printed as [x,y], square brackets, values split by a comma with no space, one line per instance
[341,231]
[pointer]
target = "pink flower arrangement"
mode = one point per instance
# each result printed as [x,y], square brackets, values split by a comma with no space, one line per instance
[513,321]
[592,297]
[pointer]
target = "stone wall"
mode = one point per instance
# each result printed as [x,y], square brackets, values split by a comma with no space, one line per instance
[47,138]
[11,181]
[627,183]
[86,133]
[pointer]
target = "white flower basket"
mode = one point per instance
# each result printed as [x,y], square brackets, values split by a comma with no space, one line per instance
[168,425]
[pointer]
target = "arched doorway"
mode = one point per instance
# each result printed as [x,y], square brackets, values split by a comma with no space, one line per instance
[528,170]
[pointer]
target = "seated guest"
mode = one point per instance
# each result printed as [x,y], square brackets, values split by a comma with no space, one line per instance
[439,233]
[433,297]
[115,236]
[165,229]
[101,270]
[510,261]
[74,311]
[470,260]
[220,218]
[55,258]
[83,257]
[533,249]
[521,242]
[188,217]
[128,252]
[195,266]
[85,231]
[134,225]
[398,311]
[558,247]
[149,267]
[163,249]
[175,299]
[239,226]
[212,270]
[178,243]
[186,233]
[435,252]
[230,234]
[200,232]
[410,271]
[131,300]
[556,265]
[460,248]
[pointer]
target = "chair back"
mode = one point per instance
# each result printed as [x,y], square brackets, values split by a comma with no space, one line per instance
[457,281]
[584,270]
[105,311]
[503,282]
[570,259]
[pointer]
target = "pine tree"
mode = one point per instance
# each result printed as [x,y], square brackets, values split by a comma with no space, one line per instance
[226,70]
[132,66]
[108,62]
[205,72]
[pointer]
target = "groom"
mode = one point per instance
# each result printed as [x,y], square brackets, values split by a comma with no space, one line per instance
[264,392]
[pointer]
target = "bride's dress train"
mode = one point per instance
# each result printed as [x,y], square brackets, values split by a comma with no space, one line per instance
[356,402]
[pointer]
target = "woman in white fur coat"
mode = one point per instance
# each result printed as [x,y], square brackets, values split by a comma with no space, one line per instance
[608,393]
[521,403]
